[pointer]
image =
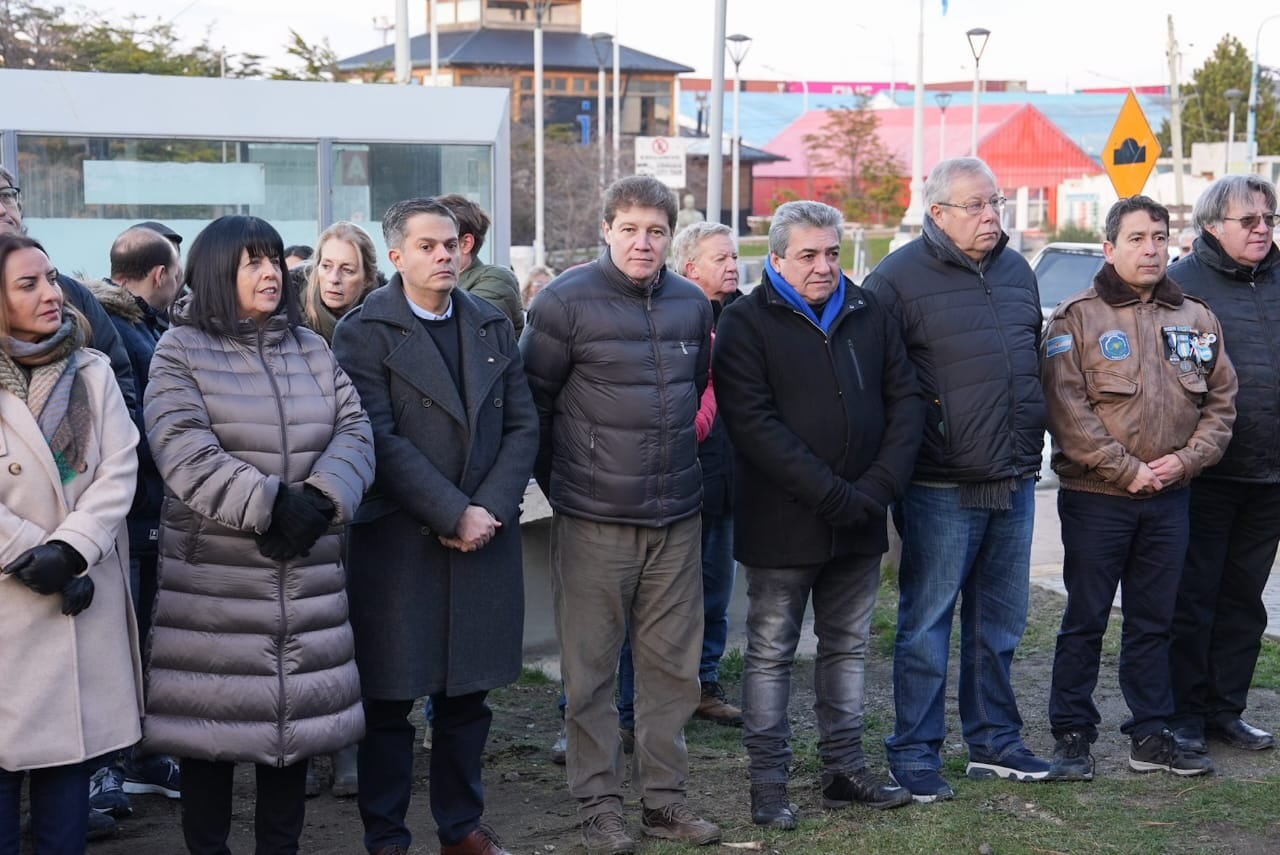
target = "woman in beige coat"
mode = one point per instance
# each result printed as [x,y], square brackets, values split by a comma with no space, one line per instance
[70,686]
[265,453]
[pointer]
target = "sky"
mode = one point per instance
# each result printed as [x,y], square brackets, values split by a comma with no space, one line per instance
[1055,47]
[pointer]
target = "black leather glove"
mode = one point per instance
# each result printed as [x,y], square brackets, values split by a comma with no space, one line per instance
[298,519]
[77,595]
[848,507]
[47,567]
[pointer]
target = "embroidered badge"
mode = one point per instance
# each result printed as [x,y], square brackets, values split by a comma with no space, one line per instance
[1115,345]
[1056,345]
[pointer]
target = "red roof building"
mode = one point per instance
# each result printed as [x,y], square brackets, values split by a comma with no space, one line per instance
[1021,145]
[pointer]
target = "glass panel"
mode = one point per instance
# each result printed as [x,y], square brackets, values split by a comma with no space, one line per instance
[370,177]
[79,193]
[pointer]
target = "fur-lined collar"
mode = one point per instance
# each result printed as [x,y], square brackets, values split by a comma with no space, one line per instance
[116,299]
[1114,291]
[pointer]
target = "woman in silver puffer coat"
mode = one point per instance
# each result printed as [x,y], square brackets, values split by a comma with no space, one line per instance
[265,452]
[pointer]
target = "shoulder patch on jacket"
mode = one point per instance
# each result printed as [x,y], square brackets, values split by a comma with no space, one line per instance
[1115,345]
[1057,345]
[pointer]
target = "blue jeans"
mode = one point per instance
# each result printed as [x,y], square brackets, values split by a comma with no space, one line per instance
[718,569]
[983,558]
[59,809]
[844,592]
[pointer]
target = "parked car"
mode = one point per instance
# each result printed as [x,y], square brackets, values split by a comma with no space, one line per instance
[1063,269]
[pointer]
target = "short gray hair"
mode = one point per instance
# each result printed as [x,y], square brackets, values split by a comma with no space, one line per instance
[687,245]
[1213,203]
[803,213]
[937,187]
[398,215]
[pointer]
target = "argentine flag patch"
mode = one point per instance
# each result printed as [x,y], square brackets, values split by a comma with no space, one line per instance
[1056,345]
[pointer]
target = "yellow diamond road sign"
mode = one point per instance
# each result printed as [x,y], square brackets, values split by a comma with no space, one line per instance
[1131,150]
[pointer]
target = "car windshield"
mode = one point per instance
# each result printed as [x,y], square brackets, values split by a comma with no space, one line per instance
[1061,274]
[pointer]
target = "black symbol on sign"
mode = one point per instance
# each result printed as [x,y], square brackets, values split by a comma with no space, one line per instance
[1130,152]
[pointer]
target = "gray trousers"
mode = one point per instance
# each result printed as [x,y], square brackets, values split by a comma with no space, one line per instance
[605,576]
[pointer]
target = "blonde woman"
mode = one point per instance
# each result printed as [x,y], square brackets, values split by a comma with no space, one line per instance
[343,272]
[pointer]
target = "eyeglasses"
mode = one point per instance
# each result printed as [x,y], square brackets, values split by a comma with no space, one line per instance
[1250,222]
[9,196]
[973,209]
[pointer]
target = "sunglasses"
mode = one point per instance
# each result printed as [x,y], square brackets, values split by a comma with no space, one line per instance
[1250,221]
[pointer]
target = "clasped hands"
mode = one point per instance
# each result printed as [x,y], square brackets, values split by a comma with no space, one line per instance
[1156,475]
[476,527]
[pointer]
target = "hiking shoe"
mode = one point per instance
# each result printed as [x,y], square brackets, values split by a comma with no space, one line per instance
[106,792]
[560,751]
[770,806]
[628,737]
[606,834]
[1157,752]
[676,822]
[154,774]
[1018,765]
[101,826]
[840,791]
[713,706]
[925,785]
[1072,759]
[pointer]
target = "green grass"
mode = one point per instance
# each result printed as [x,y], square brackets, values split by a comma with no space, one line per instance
[1267,674]
[534,675]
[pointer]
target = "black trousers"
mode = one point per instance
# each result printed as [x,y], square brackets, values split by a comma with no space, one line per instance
[279,809]
[1220,617]
[1138,544]
[459,730]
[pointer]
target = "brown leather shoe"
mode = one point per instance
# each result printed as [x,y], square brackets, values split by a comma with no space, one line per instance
[480,841]
[713,707]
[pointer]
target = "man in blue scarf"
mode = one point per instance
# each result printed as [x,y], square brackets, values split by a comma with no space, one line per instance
[821,402]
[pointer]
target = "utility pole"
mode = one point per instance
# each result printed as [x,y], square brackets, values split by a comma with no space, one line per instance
[1175,120]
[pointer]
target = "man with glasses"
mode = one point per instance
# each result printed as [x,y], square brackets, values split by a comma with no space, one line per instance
[969,311]
[1140,394]
[1234,266]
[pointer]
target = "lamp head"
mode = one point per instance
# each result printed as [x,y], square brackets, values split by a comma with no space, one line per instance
[738,45]
[978,41]
[602,44]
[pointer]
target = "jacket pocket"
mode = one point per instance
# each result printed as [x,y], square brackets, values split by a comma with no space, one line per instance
[1108,385]
[1193,384]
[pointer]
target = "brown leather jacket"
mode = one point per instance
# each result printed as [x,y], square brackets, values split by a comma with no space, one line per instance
[1127,382]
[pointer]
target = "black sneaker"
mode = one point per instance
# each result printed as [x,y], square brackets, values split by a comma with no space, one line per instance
[925,785]
[157,774]
[840,791]
[1019,765]
[1158,752]
[1072,759]
[770,806]
[106,792]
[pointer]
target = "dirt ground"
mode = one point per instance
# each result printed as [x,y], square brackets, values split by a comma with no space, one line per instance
[529,807]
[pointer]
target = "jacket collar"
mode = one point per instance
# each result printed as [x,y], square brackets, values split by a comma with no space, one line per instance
[1208,249]
[853,298]
[944,248]
[624,283]
[246,331]
[1114,292]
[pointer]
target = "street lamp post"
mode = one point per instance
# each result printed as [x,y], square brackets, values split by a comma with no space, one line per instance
[738,45]
[539,8]
[600,44]
[1233,96]
[977,44]
[1251,115]
[944,100]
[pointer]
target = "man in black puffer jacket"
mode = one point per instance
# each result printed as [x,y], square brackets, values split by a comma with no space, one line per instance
[822,405]
[1218,623]
[969,311]
[617,353]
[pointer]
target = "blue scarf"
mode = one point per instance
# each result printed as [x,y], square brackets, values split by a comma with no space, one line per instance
[834,303]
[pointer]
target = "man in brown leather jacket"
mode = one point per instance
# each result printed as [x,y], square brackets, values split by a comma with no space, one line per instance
[1141,398]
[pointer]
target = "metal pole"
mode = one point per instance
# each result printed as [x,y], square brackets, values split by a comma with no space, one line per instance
[973,133]
[1231,137]
[600,135]
[942,135]
[734,201]
[435,46]
[402,41]
[539,169]
[715,134]
[914,216]
[617,90]
[1175,122]
[1251,119]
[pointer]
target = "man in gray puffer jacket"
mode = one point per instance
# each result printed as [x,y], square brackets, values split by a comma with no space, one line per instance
[617,353]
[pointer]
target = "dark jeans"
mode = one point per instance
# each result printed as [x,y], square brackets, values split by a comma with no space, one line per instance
[142,579]
[280,807]
[1220,617]
[1138,544]
[843,592]
[459,730]
[59,809]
